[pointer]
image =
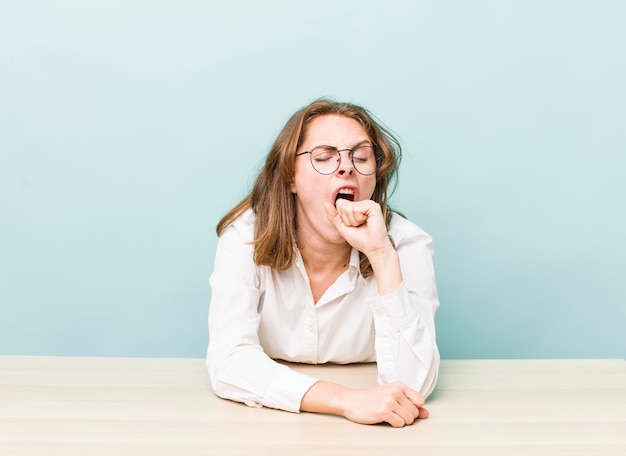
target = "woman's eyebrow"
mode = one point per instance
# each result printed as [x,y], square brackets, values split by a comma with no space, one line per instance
[362,142]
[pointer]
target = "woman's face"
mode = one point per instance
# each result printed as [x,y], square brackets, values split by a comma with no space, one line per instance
[312,189]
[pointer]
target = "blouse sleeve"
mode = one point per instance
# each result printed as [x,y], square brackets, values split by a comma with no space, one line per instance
[404,321]
[238,367]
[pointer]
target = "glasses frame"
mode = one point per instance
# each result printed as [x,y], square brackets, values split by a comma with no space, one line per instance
[377,158]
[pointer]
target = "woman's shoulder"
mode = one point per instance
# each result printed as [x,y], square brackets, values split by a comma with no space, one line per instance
[401,230]
[242,227]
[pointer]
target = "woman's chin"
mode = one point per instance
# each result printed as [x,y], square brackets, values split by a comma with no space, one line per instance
[336,238]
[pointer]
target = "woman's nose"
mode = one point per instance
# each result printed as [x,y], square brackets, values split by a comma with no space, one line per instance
[345,164]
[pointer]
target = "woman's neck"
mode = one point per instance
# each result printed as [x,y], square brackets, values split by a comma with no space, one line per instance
[322,258]
[324,263]
[325,257]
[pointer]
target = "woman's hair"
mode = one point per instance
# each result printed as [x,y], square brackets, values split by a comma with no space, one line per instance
[274,204]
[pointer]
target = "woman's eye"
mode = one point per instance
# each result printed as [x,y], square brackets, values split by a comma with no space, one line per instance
[323,154]
[362,155]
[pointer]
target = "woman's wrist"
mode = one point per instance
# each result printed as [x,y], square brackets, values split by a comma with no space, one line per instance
[386,267]
[325,397]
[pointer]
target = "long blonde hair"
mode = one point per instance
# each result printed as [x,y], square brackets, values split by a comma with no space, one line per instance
[272,201]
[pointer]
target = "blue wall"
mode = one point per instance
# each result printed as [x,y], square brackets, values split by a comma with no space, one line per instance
[127,128]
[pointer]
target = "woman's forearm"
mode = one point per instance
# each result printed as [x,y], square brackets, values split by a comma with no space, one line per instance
[386,266]
[394,403]
[325,397]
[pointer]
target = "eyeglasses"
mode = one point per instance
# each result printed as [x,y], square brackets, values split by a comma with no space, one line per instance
[326,159]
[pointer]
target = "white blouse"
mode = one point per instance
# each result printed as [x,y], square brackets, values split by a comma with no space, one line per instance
[258,314]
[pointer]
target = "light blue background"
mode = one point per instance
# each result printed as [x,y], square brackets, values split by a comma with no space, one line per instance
[128,128]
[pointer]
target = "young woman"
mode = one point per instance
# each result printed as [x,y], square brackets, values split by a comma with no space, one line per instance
[314,267]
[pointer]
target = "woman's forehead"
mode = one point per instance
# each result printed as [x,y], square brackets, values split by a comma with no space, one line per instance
[334,130]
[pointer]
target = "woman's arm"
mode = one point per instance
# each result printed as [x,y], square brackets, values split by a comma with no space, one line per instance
[393,403]
[239,368]
[404,310]
[404,321]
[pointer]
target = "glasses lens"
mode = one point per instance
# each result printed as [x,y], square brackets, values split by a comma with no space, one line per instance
[364,160]
[325,159]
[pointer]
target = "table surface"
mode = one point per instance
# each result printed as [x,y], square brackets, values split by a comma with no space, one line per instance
[135,406]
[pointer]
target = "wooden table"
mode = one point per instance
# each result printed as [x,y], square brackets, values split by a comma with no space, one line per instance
[135,406]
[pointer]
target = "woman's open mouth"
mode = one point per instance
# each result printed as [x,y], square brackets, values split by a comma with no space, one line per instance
[345,193]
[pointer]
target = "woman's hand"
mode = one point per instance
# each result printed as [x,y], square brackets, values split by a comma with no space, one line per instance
[362,225]
[393,403]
